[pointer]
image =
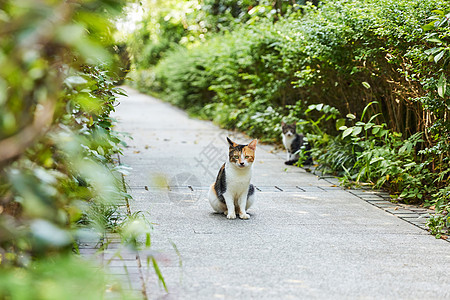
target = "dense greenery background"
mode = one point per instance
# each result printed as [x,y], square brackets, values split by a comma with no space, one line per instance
[366,79]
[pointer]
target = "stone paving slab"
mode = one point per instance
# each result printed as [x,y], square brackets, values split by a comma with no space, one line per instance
[320,242]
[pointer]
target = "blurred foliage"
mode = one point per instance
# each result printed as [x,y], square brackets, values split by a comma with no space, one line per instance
[58,278]
[250,65]
[58,66]
[171,23]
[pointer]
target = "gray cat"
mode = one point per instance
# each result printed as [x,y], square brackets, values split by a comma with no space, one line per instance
[293,143]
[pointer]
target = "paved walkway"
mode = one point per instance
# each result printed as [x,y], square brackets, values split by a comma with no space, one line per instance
[306,238]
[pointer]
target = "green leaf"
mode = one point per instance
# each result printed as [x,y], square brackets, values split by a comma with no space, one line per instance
[356,131]
[407,166]
[434,40]
[433,50]
[340,123]
[159,274]
[439,56]
[347,132]
[100,150]
[75,80]
[366,84]
[383,132]
[375,159]
[88,102]
[376,129]
[366,108]
[402,149]
[428,27]
[368,126]
[374,116]
[351,116]
[438,11]
[442,85]
[148,241]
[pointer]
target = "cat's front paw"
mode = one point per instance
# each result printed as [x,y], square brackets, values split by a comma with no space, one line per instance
[231,215]
[244,216]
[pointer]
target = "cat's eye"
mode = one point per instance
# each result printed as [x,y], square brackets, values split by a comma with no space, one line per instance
[236,157]
[247,157]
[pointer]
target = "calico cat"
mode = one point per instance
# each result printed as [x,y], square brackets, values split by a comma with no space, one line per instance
[293,142]
[232,193]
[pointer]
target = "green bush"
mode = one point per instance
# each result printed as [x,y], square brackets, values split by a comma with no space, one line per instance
[56,143]
[344,55]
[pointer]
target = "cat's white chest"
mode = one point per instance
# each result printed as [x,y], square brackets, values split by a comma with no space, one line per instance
[238,180]
[287,141]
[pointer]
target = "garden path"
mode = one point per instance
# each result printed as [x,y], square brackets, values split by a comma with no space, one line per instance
[306,238]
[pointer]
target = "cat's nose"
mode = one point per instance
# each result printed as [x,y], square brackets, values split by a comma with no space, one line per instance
[242,163]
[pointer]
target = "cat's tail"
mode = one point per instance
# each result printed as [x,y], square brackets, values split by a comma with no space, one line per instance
[307,162]
[291,162]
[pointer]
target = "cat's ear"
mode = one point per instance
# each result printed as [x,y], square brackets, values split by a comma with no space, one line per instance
[232,144]
[295,123]
[252,145]
[283,124]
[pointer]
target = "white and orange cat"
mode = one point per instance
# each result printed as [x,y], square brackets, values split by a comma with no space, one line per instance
[232,193]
